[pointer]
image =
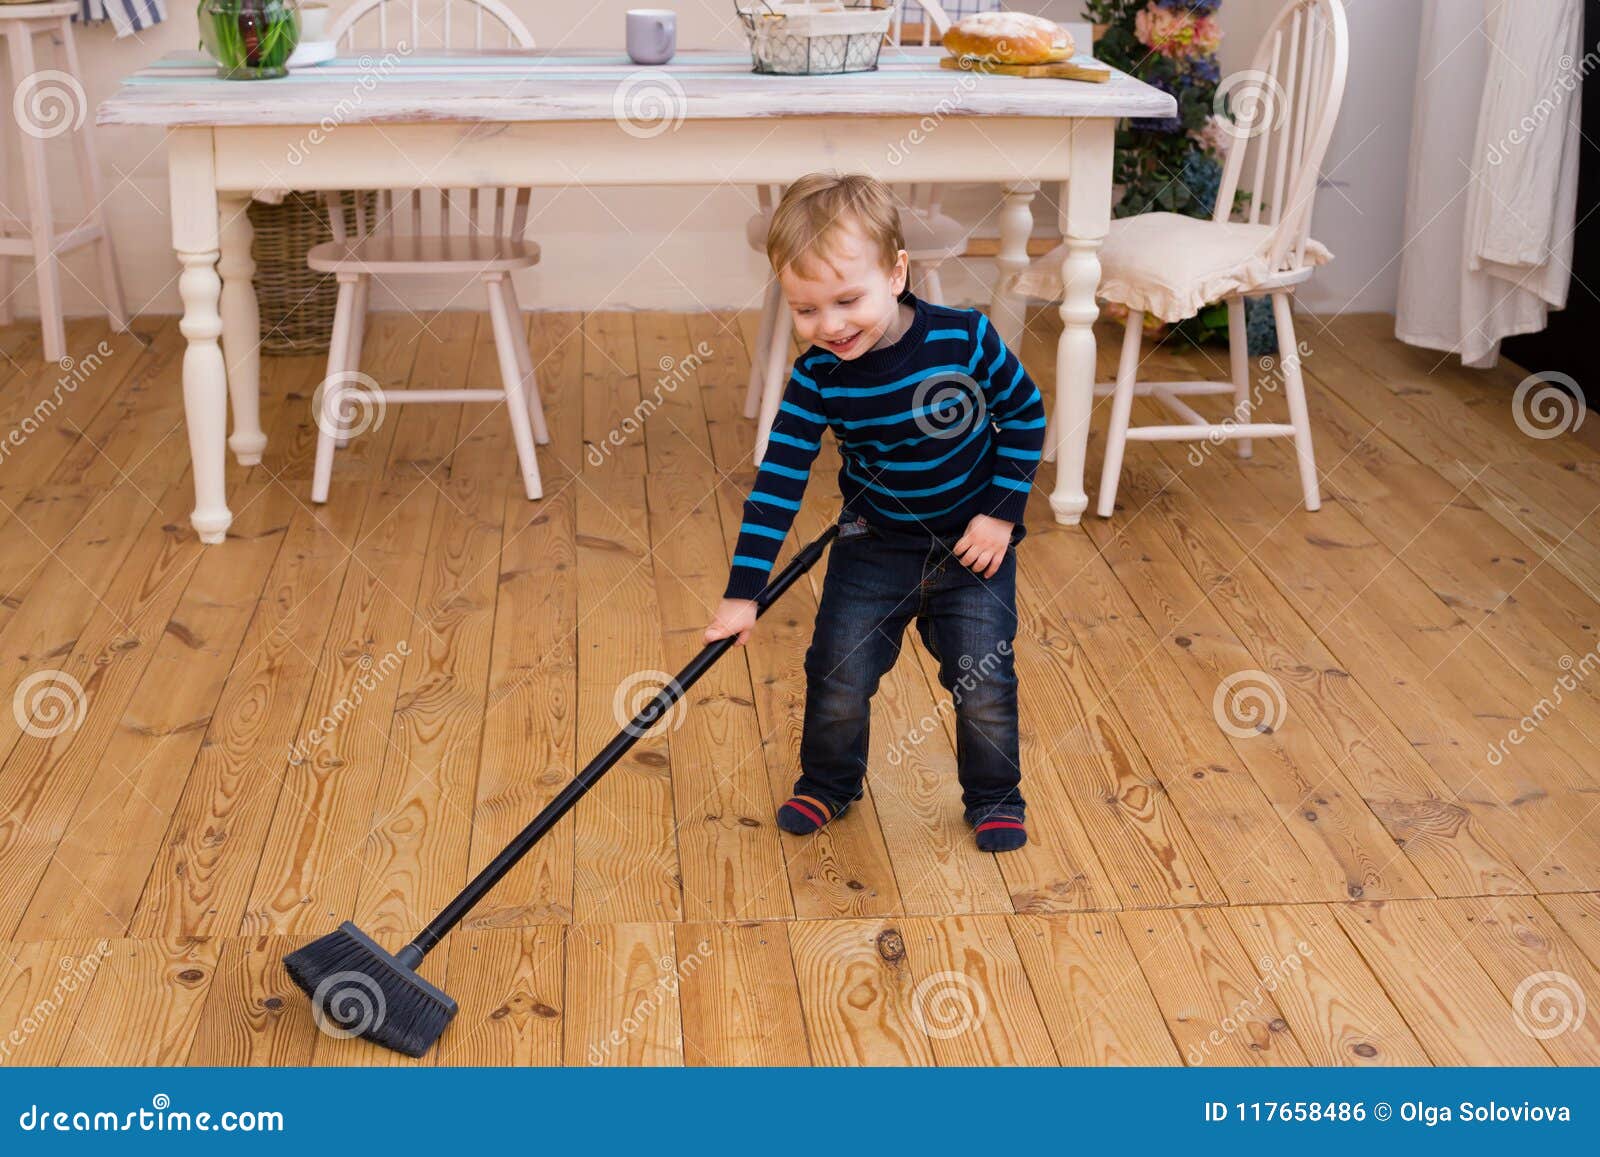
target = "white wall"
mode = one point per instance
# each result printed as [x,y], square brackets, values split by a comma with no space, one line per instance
[683,248]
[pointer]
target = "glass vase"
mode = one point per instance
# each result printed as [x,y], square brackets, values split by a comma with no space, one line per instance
[249,39]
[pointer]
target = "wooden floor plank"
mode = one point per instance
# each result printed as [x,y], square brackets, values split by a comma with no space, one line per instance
[739,995]
[145,1003]
[622,996]
[1578,913]
[509,984]
[1339,1011]
[973,998]
[1091,991]
[857,989]
[1450,1003]
[1538,969]
[254,1015]
[44,988]
[1218,1006]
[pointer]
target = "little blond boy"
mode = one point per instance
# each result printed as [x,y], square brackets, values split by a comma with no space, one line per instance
[940,429]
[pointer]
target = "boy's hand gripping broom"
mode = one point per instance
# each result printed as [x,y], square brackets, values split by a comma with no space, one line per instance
[362,990]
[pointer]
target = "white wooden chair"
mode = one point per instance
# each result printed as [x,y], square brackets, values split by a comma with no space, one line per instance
[462,233]
[932,238]
[1283,113]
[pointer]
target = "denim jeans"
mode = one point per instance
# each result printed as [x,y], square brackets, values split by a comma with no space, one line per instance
[878,580]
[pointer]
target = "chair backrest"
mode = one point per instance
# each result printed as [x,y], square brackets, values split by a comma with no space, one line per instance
[1282,114]
[385,25]
[934,24]
[431,24]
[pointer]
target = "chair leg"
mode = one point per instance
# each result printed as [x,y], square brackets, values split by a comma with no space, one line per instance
[530,383]
[771,312]
[41,223]
[1239,360]
[1121,413]
[358,334]
[89,173]
[932,285]
[773,386]
[505,344]
[327,416]
[1295,390]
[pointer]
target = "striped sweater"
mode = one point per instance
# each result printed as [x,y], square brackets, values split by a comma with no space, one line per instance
[940,426]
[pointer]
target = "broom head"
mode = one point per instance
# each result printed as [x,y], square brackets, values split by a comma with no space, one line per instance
[359,989]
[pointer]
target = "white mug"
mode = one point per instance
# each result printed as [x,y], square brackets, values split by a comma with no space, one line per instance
[652,35]
[313,21]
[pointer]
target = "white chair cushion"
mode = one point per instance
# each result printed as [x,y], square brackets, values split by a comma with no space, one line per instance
[1169,265]
[929,237]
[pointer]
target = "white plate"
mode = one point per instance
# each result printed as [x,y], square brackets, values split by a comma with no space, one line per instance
[309,52]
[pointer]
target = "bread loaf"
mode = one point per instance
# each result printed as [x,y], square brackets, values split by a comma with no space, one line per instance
[1009,38]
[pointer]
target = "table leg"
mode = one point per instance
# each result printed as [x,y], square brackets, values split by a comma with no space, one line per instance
[1085,220]
[241,328]
[1006,308]
[205,375]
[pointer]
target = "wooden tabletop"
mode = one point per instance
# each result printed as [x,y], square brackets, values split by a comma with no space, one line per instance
[183,89]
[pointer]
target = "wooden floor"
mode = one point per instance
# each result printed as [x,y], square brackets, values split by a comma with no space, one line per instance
[217,754]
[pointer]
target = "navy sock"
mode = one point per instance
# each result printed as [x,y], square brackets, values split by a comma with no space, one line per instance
[1000,830]
[801,815]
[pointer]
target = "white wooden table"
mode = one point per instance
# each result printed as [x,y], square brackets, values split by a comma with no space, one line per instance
[594,119]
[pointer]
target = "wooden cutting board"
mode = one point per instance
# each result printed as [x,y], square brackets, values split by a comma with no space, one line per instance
[1078,68]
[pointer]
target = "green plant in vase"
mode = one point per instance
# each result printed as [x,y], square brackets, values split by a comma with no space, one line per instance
[249,39]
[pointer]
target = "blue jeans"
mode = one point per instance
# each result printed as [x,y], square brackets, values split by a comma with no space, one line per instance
[879,580]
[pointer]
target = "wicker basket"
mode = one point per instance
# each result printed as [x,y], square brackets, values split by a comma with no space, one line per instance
[815,39]
[296,301]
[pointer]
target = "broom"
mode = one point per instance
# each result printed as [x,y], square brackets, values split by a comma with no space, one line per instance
[359,989]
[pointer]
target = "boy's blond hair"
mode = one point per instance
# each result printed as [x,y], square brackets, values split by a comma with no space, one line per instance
[818,207]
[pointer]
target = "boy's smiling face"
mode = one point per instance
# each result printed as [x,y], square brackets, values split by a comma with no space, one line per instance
[845,301]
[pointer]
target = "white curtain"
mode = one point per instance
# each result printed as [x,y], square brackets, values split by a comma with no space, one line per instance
[1492,192]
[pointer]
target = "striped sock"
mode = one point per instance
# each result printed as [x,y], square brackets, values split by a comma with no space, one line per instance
[1000,832]
[803,814]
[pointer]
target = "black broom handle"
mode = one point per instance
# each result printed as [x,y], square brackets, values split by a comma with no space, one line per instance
[411,955]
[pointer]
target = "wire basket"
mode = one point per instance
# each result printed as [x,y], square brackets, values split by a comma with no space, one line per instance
[815,39]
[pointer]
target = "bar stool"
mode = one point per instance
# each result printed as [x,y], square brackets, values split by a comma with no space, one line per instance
[46,103]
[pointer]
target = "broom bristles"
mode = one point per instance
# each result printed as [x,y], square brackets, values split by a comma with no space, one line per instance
[359,989]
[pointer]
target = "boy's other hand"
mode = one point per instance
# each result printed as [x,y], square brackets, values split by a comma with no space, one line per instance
[982,547]
[733,617]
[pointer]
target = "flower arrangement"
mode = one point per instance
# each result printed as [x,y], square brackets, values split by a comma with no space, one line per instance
[1174,164]
[249,39]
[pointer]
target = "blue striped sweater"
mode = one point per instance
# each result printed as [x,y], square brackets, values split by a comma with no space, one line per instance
[940,426]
